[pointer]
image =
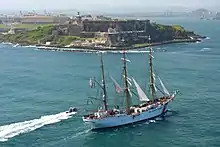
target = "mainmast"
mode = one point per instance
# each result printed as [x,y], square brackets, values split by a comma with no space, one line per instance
[152,87]
[104,96]
[126,85]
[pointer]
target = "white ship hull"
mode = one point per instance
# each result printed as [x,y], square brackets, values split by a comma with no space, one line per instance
[124,119]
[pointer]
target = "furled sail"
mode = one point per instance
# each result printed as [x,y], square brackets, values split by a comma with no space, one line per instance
[155,88]
[130,92]
[128,80]
[118,88]
[141,94]
[154,76]
[154,82]
[127,60]
[164,88]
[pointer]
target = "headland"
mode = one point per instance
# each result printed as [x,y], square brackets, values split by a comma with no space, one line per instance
[99,33]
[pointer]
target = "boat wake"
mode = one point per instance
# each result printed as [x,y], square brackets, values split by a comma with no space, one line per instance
[12,130]
[82,133]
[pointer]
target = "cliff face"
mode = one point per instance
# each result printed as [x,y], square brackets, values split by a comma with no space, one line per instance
[157,32]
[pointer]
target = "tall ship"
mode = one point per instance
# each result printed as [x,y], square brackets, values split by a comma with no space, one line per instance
[148,108]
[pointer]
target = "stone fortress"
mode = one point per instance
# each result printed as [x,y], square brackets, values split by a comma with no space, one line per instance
[111,32]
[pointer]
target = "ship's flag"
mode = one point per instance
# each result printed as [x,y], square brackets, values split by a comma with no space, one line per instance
[91,83]
[173,95]
[118,88]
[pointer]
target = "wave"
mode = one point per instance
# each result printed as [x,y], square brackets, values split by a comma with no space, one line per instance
[173,52]
[152,121]
[16,45]
[207,38]
[6,43]
[14,129]
[205,49]
[128,51]
[131,52]
[82,133]
[120,52]
[29,46]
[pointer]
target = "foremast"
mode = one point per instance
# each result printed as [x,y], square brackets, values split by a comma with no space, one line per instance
[126,91]
[104,96]
[152,82]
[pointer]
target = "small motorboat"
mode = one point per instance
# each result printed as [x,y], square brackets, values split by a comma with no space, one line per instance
[71,110]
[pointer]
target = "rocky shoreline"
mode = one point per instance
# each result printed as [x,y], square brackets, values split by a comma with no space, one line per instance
[102,48]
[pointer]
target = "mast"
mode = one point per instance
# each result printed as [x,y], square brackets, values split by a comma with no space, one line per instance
[127,105]
[152,88]
[104,96]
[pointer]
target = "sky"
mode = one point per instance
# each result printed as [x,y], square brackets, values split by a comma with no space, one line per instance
[103,4]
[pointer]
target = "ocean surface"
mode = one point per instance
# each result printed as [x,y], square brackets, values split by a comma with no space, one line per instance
[37,87]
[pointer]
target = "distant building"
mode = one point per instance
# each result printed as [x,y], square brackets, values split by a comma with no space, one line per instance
[68,29]
[78,19]
[61,19]
[10,19]
[217,17]
[116,25]
[104,30]
[35,19]
[202,13]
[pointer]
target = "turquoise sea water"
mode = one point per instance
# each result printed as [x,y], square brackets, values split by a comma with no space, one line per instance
[37,83]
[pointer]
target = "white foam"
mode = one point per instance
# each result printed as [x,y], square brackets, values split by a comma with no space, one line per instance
[158,118]
[147,123]
[12,130]
[152,121]
[80,134]
[131,51]
[205,49]
[16,45]
[29,46]
[173,52]
[207,38]
[6,43]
